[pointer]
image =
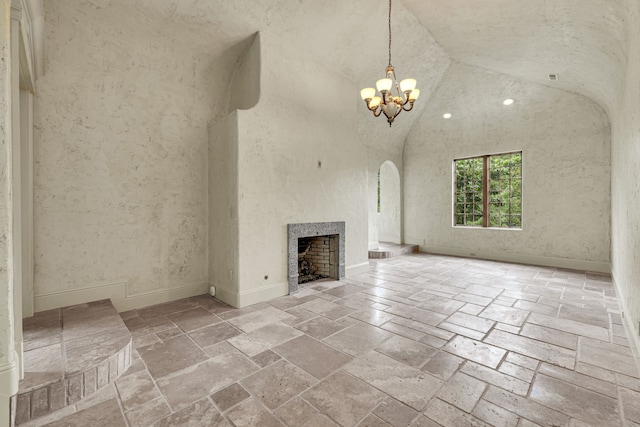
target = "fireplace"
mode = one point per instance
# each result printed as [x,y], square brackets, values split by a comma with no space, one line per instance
[317,258]
[316,250]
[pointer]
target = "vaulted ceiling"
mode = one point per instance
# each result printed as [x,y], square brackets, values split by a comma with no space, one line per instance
[582,41]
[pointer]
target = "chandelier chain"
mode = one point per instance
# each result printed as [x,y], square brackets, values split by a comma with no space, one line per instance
[389,32]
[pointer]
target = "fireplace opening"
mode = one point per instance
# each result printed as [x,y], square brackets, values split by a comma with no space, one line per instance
[317,258]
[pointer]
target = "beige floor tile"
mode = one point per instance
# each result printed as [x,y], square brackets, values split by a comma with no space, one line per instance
[358,339]
[327,309]
[462,391]
[187,386]
[417,314]
[536,307]
[591,315]
[521,360]
[516,371]
[450,416]
[607,359]
[171,355]
[151,411]
[579,403]
[229,396]
[471,322]
[319,327]
[473,299]
[462,331]
[551,336]
[403,331]
[532,348]
[263,339]
[259,319]
[406,351]
[136,389]
[571,326]
[194,318]
[494,415]
[251,414]
[630,404]
[373,421]
[319,420]
[508,315]
[312,356]
[443,365]
[344,398]
[372,316]
[395,413]
[214,334]
[479,352]
[296,412]
[484,291]
[496,378]
[265,358]
[106,413]
[441,305]
[525,408]
[277,383]
[578,379]
[200,414]
[408,385]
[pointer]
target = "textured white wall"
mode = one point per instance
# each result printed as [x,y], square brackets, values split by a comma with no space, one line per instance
[6,289]
[298,122]
[566,165]
[625,178]
[121,152]
[389,226]
[223,206]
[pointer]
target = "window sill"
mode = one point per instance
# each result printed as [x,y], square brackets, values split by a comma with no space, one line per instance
[465,227]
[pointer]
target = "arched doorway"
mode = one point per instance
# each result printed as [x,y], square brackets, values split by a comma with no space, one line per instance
[388,204]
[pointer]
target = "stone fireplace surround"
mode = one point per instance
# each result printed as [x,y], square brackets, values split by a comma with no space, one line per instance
[312,229]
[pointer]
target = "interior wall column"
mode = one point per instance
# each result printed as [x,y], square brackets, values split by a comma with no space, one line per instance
[9,360]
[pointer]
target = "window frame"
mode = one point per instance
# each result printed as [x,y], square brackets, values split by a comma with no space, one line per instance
[486,192]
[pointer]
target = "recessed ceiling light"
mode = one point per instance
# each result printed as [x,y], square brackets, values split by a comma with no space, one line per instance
[508,101]
[447,115]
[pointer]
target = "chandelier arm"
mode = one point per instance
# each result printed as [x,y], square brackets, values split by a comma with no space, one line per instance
[376,112]
[410,106]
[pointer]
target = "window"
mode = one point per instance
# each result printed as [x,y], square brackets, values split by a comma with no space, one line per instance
[379,190]
[488,191]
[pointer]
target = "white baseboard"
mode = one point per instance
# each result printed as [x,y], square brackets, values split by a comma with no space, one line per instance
[574,264]
[629,323]
[253,296]
[352,270]
[118,294]
[9,378]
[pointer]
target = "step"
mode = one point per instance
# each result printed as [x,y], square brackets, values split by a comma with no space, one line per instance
[392,250]
[69,354]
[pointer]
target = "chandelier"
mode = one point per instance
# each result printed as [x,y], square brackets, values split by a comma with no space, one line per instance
[388,103]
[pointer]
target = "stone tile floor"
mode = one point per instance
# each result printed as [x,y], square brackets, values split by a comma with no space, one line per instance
[419,340]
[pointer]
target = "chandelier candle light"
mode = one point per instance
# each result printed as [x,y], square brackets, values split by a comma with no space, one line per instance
[387,103]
